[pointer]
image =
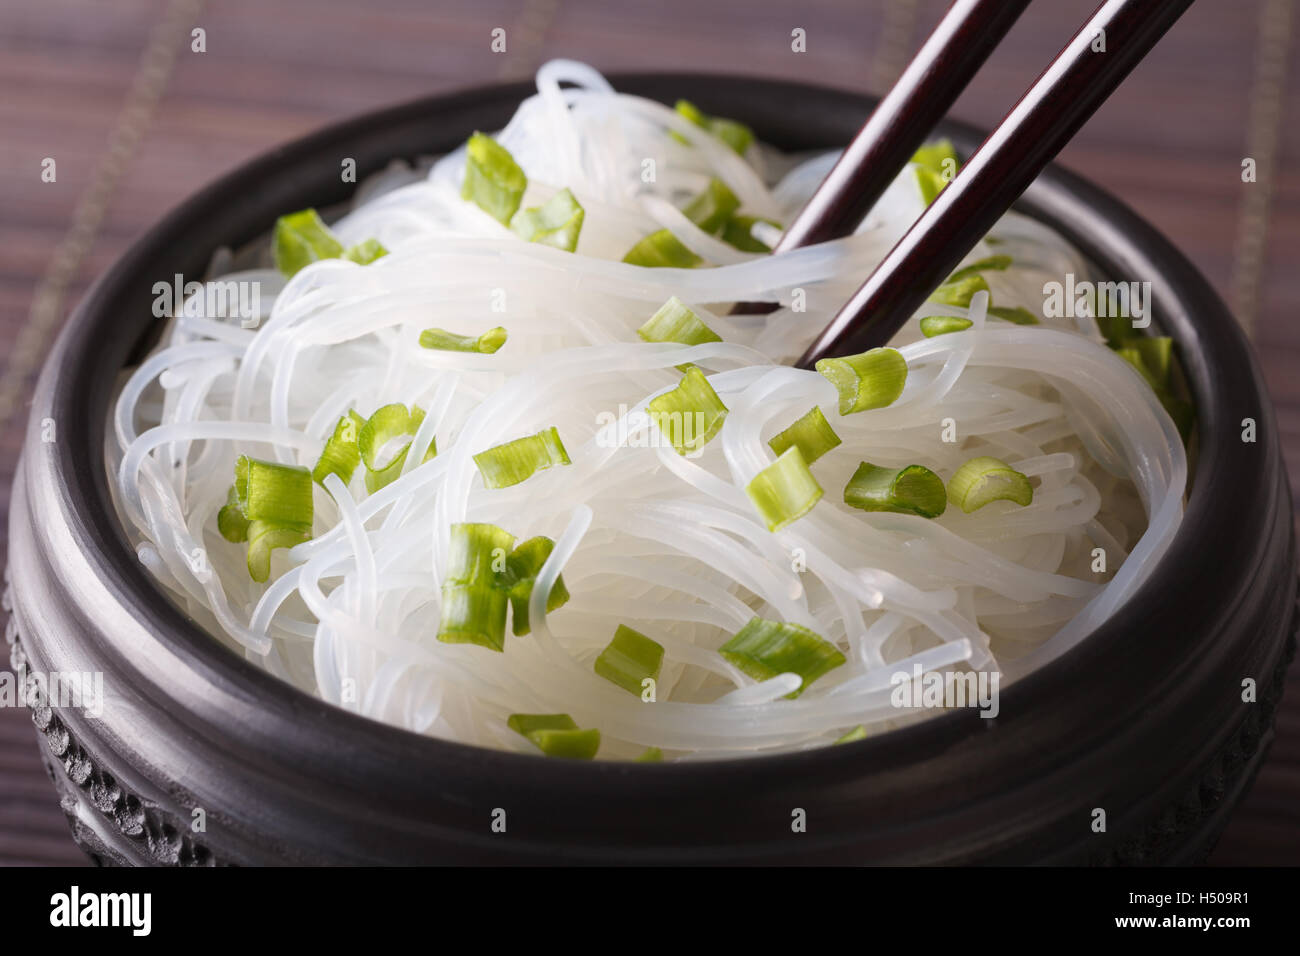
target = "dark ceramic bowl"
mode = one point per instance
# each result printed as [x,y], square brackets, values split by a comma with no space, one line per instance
[1144,720]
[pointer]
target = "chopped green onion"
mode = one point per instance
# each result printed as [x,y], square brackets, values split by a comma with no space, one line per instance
[738,232]
[514,461]
[651,755]
[997,263]
[377,478]
[522,567]
[475,593]
[270,507]
[677,322]
[231,520]
[629,659]
[493,180]
[364,253]
[340,455]
[266,536]
[1134,357]
[1016,314]
[389,422]
[911,490]
[811,434]
[662,250]
[444,341]
[274,493]
[690,414]
[1153,359]
[959,291]
[932,325]
[931,170]
[857,733]
[1156,355]
[711,209]
[736,135]
[302,238]
[871,379]
[983,480]
[1116,328]
[785,490]
[765,649]
[556,222]
[692,112]
[556,735]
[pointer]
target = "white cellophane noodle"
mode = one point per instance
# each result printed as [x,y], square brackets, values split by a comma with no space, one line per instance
[668,545]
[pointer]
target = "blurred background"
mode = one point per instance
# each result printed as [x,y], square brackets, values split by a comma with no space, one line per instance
[137,120]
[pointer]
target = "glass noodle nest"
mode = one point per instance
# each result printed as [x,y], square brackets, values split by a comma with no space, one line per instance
[666,547]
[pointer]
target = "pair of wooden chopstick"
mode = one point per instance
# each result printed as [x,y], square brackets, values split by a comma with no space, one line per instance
[1089,68]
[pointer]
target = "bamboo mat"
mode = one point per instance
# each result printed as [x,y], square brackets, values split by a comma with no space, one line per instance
[130,142]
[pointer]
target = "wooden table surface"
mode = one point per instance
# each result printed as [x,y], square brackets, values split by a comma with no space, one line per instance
[135,120]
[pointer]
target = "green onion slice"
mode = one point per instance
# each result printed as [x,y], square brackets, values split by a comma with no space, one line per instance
[651,755]
[270,506]
[689,415]
[871,379]
[522,567]
[1153,358]
[929,164]
[986,479]
[911,490]
[556,735]
[340,455]
[556,222]
[1134,357]
[998,263]
[629,658]
[959,291]
[378,478]
[475,593]
[677,322]
[692,112]
[300,239]
[764,649]
[857,733]
[1156,355]
[493,180]
[266,536]
[662,250]
[1116,328]
[712,209]
[811,434]
[270,492]
[1016,314]
[514,461]
[785,490]
[389,422]
[364,253]
[736,135]
[932,325]
[444,341]
[231,520]
[738,232]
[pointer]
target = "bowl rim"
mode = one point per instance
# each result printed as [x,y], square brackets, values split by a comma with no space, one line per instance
[1083,213]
